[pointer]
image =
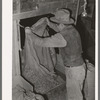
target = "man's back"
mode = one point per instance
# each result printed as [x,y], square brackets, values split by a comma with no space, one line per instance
[71,53]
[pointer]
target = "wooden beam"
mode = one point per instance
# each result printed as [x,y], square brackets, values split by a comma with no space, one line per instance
[44,8]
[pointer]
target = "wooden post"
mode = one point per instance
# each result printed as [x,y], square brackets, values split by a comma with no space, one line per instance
[17,79]
[77,10]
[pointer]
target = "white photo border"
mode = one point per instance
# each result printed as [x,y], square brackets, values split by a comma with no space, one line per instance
[7,50]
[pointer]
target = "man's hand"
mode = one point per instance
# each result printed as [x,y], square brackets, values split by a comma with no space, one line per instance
[90,66]
[28,30]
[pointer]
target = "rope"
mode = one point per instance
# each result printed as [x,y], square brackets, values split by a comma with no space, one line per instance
[20,25]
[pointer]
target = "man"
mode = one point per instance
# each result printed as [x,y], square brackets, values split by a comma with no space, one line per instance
[70,49]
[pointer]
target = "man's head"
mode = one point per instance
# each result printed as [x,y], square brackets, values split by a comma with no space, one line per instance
[61,26]
[62,16]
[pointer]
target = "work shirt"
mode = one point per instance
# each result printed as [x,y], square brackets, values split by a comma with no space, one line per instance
[69,42]
[72,53]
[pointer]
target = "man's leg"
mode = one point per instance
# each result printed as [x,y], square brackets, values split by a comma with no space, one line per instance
[89,88]
[74,82]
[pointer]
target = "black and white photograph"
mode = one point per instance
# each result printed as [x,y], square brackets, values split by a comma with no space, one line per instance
[53,50]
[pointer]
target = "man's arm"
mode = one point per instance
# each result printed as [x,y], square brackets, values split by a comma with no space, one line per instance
[52,25]
[56,40]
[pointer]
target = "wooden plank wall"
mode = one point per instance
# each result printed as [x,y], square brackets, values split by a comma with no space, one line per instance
[31,8]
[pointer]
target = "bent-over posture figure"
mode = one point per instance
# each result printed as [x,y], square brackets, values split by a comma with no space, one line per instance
[68,40]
